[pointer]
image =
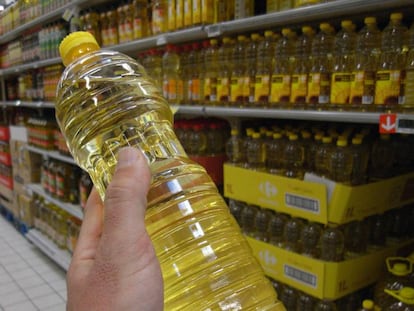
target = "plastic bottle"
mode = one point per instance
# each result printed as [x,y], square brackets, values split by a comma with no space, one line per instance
[234,148]
[255,153]
[299,83]
[261,223]
[140,19]
[186,69]
[390,72]
[332,244]
[322,157]
[194,83]
[171,71]
[281,73]
[179,14]
[405,298]
[319,80]
[305,302]
[247,219]
[113,35]
[274,154]
[264,60]
[367,305]
[356,238]
[223,71]
[360,158]
[288,296]
[310,238]
[325,305]
[149,118]
[293,158]
[408,103]
[311,154]
[197,140]
[159,16]
[285,4]
[238,87]
[343,63]
[128,22]
[382,158]
[397,277]
[276,226]
[291,234]
[210,74]
[251,56]
[366,62]
[243,8]
[236,208]
[377,234]
[340,162]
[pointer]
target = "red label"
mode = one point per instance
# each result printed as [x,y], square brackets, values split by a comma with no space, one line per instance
[388,123]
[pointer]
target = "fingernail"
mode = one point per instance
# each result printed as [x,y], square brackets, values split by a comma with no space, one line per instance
[127,156]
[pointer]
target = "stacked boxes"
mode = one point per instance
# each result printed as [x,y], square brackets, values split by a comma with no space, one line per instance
[6,179]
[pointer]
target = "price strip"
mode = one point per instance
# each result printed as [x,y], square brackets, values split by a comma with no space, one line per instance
[405,124]
[68,14]
[213,30]
[161,40]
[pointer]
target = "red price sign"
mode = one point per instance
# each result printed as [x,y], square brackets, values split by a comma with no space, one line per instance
[388,123]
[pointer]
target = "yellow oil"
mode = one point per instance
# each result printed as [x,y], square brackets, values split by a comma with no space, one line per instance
[198,243]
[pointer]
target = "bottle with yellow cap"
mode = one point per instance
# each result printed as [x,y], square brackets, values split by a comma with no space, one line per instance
[93,87]
[293,157]
[367,305]
[238,87]
[223,71]
[390,73]
[340,162]
[251,56]
[404,297]
[210,72]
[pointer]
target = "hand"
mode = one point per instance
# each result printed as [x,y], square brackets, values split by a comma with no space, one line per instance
[114,266]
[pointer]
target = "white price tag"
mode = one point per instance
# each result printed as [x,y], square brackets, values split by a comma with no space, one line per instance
[405,124]
[213,30]
[161,40]
[68,14]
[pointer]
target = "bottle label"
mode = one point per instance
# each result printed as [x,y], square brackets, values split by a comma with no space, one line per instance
[261,88]
[314,88]
[187,13]
[340,88]
[325,89]
[158,18]
[171,15]
[236,89]
[196,11]
[409,86]
[207,11]
[362,87]
[128,30]
[280,89]
[194,89]
[388,86]
[210,89]
[223,89]
[138,33]
[299,88]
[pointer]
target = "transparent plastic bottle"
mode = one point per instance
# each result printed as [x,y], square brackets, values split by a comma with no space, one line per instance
[319,80]
[255,153]
[367,305]
[261,223]
[274,154]
[291,234]
[223,71]
[289,297]
[325,305]
[310,238]
[405,300]
[206,231]
[264,62]
[322,157]
[390,72]
[247,219]
[366,62]
[332,244]
[172,83]
[356,238]
[236,208]
[343,63]
[276,225]
[238,85]
[210,74]
[360,158]
[377,234]
[408,103]
[305,302]
[293,158]
[382,158]
[195,86]
[234,148]
[340,162]
[251,56]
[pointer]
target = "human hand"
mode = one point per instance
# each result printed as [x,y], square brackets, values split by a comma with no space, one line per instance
[114,266]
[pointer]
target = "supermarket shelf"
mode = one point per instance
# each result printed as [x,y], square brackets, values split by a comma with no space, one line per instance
[51,154]
[28,104]
[59,256]
[33,65]
[312,115]
[48,17]
[74,210]
[309,14]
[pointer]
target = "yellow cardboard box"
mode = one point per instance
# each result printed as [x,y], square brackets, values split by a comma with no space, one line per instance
[315,199]
[26,209]
[330,280]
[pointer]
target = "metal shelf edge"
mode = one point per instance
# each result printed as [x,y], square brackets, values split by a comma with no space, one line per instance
[51,154]
[49,248]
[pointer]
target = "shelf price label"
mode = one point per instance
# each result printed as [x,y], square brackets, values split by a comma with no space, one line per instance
[405,124]
[213,30]
[388,123]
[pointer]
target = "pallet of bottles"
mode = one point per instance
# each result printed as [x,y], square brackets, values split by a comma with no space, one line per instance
[323,201]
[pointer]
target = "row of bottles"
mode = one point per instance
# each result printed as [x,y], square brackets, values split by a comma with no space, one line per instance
[59,226]
[65,182]
[202,136]
[319,69]
[328,243]
[347,154]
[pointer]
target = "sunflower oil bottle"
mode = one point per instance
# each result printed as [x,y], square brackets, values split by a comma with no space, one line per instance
[281,73]
[223,71]
[322,157]
[194,82]
[366,62]
[243,8]
[206,231]
[210,73]
[261,223]
[256,153]
[274,154]
[299,83]
[377,235]
[340,162]
[251,56]
[291,234]
[409,68]
[332,244]
[404,297]
[113,36]
[276,227]
[360,158]
[141,25]
[356,238]
[293,158]
[160,16]
[238,86]
[172,83]
[285,4]
[264,65]
[343,63]
[234,148]
[272,6]
[305,302]
[310,237]
[382,158]
[289,297]
[247,219]
[390,70]
[319,79]
[325,305]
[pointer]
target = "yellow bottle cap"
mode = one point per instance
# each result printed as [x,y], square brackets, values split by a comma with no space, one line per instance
[324,26]
[293,137]
[81,41]
[326,140]
[396,16]
[356,140]
[368,304]
[241,37]
[346,23]
[226,40]
[213,42]
[268,33]
[370,20]
[307,29]
[234,132]
[341,143]
[254,36]
[256,135]
[286,31]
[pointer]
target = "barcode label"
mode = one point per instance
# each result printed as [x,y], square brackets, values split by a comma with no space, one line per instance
[300,276]
[310,205]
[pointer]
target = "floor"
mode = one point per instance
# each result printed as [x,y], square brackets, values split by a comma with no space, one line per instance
[28,279]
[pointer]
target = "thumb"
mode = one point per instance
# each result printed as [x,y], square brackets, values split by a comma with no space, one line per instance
[126,201]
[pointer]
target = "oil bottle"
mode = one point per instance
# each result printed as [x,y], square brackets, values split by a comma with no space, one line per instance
[291,234]
[332,244]
[255,153]
[305,302]
[172,84]
[322,157]
[408,103]
[276,226]
[223,71]
[274,154]
[310,237]
[405,299]
[207,231]
[340,162]
[234,148]
[264,63]
[325,305]
[210,73]
[251,59]
[140,19]
[293,158]
[238,85]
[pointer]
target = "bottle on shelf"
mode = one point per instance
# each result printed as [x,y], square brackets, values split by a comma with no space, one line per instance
[274,154]
[404,297]
[149,120]
[293,158]
[234,148]
[223,71]
[238,87]
[356,238]
[325,305]
[256,153]
[382,158]
[211,71]
[367,305]
[264,65]
[390,71]
[332,244]
[141,24]
[159,13]
[310,238]
[276,226]
[247,219]
[305,302]
[236,208]
[360,158]
[261,224]
[377,234]
[289,298]
[172,83]
[340,162]
[322,157]
[366,62]
[251,62]
[292,234]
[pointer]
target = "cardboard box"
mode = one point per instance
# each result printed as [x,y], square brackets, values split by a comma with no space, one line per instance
[18,133]
[316,200]
[26,164]
[4,133]
[26,209]
[330,280]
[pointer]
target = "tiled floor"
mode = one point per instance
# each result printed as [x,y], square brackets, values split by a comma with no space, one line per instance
[28,279]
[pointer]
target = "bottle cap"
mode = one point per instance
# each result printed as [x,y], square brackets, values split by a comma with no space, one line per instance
[326,139]
[255,36]
[370,20]
[356,140]
[81,40]
[341,143]
[277,135]
[346,23]
[213,42]
[268,33]
[396,16]
[234,132]
[368,304]
[286,31]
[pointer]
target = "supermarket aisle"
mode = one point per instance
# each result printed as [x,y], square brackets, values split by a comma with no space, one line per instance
[28,279]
